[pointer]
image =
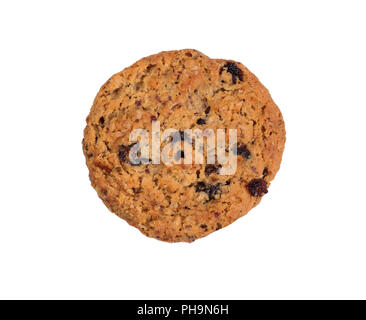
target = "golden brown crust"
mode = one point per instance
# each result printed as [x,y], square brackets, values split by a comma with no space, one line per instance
[177,88]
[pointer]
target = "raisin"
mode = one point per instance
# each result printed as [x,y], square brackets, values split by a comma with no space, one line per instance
[153,118]
[200,187]
[123,152]
[138,103]
[210,190]
[257,187]
[243,151]
[265,172]
[203,226]
[101,120]
[201,121]
[149,67]
[235,71]
[208,109]
[212,168]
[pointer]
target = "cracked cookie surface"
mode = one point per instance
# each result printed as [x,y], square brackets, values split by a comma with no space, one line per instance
[183,89]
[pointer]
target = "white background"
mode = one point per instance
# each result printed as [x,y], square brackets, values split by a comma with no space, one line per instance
[306,239]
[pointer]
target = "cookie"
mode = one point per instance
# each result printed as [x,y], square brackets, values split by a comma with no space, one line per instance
[182,89]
